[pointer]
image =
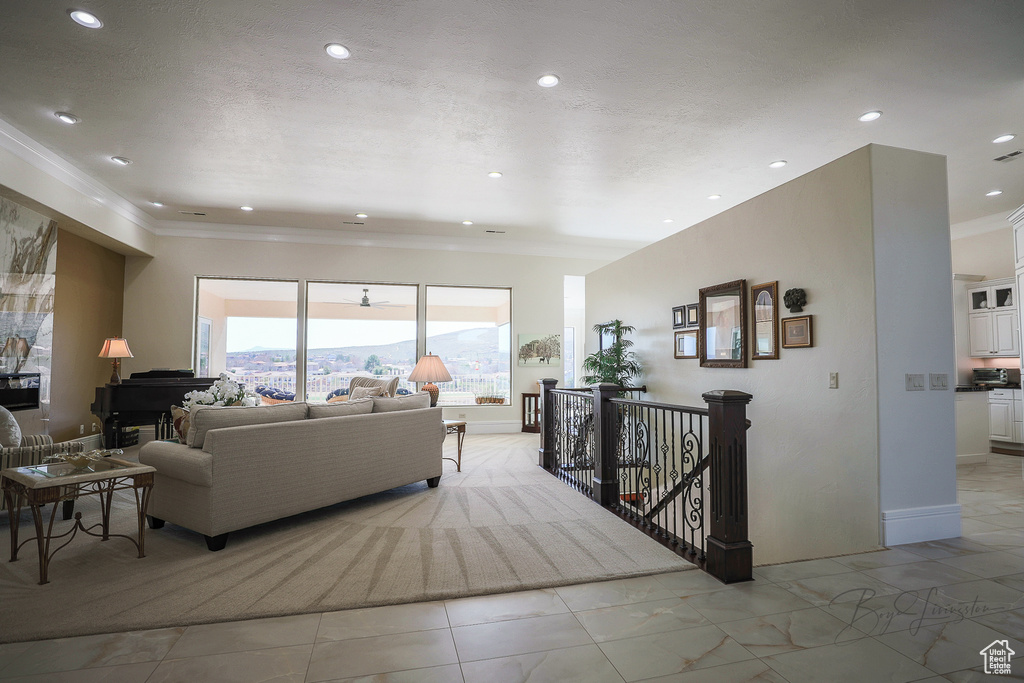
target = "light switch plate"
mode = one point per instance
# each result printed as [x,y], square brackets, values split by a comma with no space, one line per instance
[915,382]
[938,381]
[833,380]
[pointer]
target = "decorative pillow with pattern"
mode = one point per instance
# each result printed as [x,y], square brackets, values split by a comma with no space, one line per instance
[364,392]
[10,430]
[181,418]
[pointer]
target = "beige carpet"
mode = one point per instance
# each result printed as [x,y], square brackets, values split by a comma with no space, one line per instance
[500,525]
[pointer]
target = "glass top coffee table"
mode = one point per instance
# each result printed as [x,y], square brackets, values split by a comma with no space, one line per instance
[79,476]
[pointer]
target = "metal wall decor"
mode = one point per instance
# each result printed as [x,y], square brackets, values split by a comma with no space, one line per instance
[795,299]
[764,304]
[723,321]
[797,332]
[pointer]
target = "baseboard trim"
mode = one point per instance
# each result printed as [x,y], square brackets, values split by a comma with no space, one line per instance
[915,525]
[1007,451]
[972,459]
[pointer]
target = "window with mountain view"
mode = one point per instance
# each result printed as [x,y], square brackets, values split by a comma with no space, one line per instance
[247,329]
[358,329]
[470,328]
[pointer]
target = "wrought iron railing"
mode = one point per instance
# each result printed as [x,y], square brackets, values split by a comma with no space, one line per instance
[676,472]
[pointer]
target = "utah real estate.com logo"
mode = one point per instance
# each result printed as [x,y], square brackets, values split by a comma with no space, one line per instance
[997,657]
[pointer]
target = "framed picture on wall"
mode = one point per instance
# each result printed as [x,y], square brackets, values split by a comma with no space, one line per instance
[764,302]
[686,343]
[679,316]
[692,316]
[796,332]
[722,339]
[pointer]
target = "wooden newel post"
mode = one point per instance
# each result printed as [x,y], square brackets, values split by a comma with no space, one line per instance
[606,437]
[546,453]
[729,552]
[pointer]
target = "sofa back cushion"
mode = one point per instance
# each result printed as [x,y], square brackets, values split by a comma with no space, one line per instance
[388,386]
[410,402]
[205,418]
[358,406]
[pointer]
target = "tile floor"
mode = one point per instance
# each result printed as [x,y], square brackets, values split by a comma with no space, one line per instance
[919,612]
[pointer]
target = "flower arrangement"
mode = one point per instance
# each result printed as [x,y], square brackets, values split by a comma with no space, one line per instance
[224,392]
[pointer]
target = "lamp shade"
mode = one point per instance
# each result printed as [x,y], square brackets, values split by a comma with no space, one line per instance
[116,347]
[429,368]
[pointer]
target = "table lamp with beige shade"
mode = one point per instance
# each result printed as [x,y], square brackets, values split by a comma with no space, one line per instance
[116,348]
[430,369]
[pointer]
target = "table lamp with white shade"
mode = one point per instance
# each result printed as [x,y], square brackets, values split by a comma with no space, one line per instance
[116,348]
[430,369]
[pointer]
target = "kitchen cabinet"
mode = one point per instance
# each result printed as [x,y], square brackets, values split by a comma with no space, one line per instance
[1005,415]
[1017,220]
[993,320]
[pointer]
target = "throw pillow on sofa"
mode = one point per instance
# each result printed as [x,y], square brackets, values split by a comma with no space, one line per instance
[364,392]
[205,418]
[412,402]
[10,430]
[180,418]
[360,406]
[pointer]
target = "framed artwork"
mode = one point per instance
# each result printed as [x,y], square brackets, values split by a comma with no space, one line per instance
[540,349]
[679,316]
[796,332]
[686,343]
[764,302]
[722,338]
[692,316]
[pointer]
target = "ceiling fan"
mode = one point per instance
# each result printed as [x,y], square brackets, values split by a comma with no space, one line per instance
[366,303]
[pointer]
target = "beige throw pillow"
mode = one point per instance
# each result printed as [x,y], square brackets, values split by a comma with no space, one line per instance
[360,406]
[410,402]
[363,392]
[10,430]
[180,417]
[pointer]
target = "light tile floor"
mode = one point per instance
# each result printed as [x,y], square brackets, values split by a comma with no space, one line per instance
[919,612]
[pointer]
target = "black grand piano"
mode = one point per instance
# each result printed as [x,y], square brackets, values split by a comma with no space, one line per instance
[144,399]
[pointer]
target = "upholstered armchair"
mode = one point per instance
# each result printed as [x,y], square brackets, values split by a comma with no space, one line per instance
[387,386]
[34,449]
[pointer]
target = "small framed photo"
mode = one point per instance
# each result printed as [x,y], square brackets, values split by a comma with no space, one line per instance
[686,343]
[764,303]
[679,316]
[692,315]
[796,332]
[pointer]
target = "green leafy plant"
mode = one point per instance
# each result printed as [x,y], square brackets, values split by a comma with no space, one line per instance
[615,364]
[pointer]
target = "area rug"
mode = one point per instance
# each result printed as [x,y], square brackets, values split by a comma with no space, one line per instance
[500,525]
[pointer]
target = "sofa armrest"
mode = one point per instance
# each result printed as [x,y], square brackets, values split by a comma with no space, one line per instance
[178,461]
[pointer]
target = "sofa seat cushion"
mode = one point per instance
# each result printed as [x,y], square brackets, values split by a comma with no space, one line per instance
[178,461]
[205,418]
[359,406]
[411,402]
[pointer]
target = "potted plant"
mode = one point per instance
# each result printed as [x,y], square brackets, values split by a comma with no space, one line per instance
[615,364]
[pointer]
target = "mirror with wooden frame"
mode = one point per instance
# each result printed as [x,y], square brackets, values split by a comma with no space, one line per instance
[764,303]
[723,322]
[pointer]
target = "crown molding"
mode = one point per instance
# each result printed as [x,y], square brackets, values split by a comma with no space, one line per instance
[384,240]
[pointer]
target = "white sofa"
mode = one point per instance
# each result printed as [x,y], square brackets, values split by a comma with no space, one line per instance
[246,466]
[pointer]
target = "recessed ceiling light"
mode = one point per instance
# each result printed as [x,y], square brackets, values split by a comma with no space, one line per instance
[337,50]
[245,208]
[869,116]
[361,215]
[714,196]
[157,203]
[1004,138]
[993,193]
[85,19]
[547,81]
[777,164]
[668,220]
[66,117]
[467,222]
[124,161]
[494,174]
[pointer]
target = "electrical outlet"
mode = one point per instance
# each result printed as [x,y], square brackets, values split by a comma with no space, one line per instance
[833,380]
[915,382]
[95,428]
[462,416]
[81,429]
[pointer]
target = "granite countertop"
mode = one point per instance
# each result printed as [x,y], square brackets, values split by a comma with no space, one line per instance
[985,387]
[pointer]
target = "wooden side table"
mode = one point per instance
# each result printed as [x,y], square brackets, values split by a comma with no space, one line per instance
[457,427]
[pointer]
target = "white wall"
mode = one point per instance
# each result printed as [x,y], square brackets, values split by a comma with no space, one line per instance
[989,254]
[158,303]
[914,322]
[813,452]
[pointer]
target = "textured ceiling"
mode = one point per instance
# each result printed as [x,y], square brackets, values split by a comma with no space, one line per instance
[221,103]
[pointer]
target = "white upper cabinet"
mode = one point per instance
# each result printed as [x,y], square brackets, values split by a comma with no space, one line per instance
[993,321]
[992,297]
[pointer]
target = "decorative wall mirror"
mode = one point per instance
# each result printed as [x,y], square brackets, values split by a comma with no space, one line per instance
[723,316]
[764,301]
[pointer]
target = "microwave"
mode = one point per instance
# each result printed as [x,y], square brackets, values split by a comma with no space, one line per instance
[996,377]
